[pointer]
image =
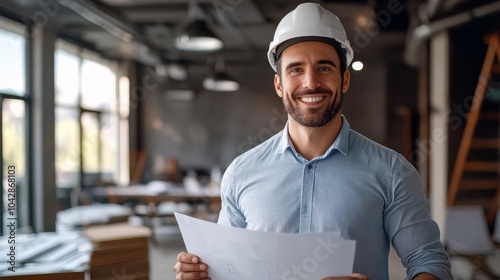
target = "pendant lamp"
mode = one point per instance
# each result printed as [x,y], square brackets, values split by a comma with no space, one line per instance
[219,80]
[196,36]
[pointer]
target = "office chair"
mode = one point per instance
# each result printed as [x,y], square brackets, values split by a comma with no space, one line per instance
[467,237]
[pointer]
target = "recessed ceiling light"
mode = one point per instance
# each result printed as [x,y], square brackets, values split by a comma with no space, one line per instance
[357,65]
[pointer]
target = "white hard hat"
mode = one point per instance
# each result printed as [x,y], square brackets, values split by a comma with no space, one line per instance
[308,22]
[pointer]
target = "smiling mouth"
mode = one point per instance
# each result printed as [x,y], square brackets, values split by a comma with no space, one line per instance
[311,99]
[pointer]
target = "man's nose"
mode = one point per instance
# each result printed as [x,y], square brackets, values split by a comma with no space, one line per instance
[311,80]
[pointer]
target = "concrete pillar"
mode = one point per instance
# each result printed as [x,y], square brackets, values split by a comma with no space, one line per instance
[42,122]
[438,126]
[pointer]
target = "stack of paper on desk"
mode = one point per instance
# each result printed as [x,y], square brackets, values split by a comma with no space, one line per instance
[120,251]
[44,256]
[234,253]
[76,275]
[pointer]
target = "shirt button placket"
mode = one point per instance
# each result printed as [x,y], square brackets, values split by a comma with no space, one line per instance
[307,198]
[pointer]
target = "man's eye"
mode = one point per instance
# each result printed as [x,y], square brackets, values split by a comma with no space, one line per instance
[295,70]
[324,69]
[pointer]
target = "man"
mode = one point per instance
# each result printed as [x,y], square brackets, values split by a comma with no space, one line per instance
[317,175]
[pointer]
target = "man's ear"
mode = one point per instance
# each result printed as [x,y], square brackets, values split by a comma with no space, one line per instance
[277,85]
[347,81]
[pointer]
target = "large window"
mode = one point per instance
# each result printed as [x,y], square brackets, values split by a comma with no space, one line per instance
[91,127]
[14,132]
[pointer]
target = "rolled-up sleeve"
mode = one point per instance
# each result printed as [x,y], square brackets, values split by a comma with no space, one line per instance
[414,235]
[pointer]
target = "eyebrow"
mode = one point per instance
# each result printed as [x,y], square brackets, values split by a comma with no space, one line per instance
[327,61]
[321,61]
[293,64]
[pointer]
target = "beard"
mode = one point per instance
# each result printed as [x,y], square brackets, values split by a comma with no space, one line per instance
[314,117]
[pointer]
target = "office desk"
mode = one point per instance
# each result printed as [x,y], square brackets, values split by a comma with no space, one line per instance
[153,195]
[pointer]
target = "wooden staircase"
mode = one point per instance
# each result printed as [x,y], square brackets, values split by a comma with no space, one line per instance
[476,176]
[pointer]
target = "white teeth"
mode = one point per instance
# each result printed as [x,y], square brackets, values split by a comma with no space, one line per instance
[311,99]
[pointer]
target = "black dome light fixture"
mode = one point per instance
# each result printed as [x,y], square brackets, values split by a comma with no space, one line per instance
[219,80]
[196,36]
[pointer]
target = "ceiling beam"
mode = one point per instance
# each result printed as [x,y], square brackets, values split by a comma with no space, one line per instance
[115,26]
[99,17]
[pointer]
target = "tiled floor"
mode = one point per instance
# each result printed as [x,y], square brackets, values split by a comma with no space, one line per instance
[163,253]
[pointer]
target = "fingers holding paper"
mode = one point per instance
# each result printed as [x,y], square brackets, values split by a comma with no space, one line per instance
[188,266]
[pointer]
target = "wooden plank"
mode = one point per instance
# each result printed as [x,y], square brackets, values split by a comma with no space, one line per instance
[482,166]
[481,184]
[485,143]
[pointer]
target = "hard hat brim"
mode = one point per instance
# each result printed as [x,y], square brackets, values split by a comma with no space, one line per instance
[334,43]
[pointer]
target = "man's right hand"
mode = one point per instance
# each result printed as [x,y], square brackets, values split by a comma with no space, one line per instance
[188,266]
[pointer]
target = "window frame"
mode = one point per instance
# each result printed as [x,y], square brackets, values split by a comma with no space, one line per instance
[83,54]
[25,218]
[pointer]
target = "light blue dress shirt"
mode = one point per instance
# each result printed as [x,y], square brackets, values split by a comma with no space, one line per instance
[366,191]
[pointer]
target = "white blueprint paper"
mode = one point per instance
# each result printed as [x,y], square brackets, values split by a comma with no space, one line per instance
[235,253]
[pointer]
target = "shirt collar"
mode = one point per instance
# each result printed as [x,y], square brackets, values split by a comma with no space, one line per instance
[284,140]
[341,143]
